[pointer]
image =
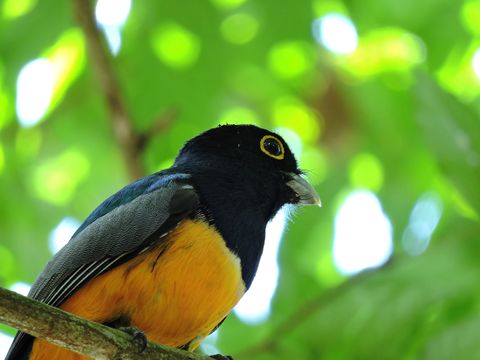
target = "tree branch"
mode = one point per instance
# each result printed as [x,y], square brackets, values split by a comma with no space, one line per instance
[126,136]
[79,335]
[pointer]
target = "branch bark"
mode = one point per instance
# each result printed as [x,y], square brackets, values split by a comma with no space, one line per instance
[129,141]
[79,335]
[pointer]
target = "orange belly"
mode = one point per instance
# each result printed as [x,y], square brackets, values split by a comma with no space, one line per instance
[175,297]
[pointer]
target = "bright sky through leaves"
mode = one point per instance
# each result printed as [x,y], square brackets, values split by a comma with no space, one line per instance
[423,220]
[112,15]
[363,233]
[61,233]
[476,63]
[5,342]
[254,307]
[20,288]
[337,33]
[112,12]
[35,85]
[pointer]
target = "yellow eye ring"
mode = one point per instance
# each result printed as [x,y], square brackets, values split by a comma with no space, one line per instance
[273,147]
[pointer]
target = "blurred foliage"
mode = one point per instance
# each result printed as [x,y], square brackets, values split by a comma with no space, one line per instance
[398,116]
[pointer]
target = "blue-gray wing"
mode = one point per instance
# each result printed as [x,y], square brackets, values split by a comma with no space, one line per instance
[123,226]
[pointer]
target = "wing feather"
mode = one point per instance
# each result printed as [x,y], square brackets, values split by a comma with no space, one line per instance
[123,226]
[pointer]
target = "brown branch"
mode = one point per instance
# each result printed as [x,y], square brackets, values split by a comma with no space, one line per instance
[79,335]
[160,125]
[126,136]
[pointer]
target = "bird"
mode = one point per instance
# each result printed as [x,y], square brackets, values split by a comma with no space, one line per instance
[172,253]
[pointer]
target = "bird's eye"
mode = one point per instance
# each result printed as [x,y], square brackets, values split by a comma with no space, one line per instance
[273,147]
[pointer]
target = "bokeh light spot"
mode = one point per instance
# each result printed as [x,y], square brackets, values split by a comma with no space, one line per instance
[293,114]
[238,115]
[476,63]
[209,345]
[336,32]
[67,56]
[423,220]
[114,39]
[254,307]
[386,50]
[227,4]
[239,28]
[55,180]
[175,46]
[61,234]
[5,106]
[471,16]
[362,233]
[15,8]
[366,172]
[5,342]
[289,60]
[35,84]
[21,288]
[112,13]
[458,73]
[42,83]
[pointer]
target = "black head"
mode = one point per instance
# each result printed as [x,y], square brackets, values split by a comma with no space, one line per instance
[244,175]
[248,143]
[255,161]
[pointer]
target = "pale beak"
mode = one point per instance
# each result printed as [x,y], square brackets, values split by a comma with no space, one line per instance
[305,192]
